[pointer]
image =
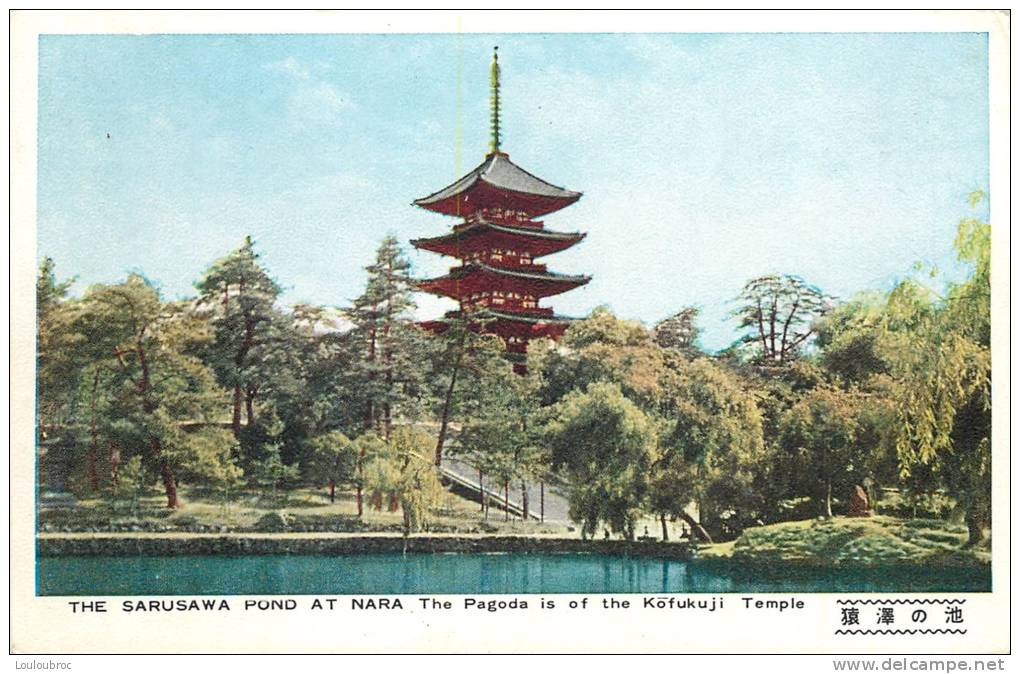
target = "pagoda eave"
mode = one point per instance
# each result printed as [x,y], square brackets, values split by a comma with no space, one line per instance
[498,183]
[477,237]
[484,196]
[476,278]
[506,324]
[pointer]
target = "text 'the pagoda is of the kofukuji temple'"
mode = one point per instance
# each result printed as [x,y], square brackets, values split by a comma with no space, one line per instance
[498,283]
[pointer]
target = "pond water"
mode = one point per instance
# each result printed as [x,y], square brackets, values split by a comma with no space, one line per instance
[465,574]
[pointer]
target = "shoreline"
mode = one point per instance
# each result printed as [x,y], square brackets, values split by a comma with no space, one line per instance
[177,544]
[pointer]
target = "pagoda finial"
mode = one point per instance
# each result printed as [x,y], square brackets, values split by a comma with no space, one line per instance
[494,100]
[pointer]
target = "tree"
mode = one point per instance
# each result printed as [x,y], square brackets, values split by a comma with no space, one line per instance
[384,336]
[849,339]
[155,384]
[940,350]
[383,332]
[713,449]
[402,468]
[821,431]
[239,294]
[600,348]
[499,434]
[332,459]
[57,362]
[678,331]
[779,313]
[606,445]
[270,473]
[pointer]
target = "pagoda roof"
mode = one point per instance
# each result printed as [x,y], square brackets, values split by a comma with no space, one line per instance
[498,183]
[519,317]
[488,313]
[478,276]
[540,241]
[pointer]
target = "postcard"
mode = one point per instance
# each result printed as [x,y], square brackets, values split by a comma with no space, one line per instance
[515,332]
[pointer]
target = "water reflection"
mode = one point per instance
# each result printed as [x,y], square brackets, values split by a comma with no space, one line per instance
[467,574]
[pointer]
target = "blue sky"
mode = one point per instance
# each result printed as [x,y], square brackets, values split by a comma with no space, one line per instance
[705,159]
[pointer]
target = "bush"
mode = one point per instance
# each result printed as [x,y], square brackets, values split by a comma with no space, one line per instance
[273,522]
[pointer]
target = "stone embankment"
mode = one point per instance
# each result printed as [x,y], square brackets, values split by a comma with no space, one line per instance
[155,545]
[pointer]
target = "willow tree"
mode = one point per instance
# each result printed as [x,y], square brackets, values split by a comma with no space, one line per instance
[940,350]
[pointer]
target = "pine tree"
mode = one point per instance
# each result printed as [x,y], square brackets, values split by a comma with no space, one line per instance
[239,294]
[385,340]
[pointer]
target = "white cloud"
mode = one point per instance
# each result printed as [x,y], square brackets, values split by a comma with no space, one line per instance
[312,98]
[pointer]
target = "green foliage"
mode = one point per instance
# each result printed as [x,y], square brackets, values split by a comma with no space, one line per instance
[897,393]
[602,348]
[132,481]
[402,471]
[57,359]
[941,359]
[271,473]
[678,331]
[875,542]
[501,434]
[819,436]
[389,360]
[331,458]
[713,450]
[606,445]
[849,339]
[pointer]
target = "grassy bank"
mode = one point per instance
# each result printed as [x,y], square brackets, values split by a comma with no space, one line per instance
[852,542]
[305,510]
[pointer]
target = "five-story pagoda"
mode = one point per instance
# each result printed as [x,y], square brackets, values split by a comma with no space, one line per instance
[498,282]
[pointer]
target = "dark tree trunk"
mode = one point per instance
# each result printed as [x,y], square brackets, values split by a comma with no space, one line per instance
[332,491]
[448,404]
[665,529]
[170,485]
[249,408]
[524,501]
[975,526]
[90,464]
[696,528]
[93,453]
[541,502]
[358,492]
[481,490]
[235,422]
[506,501]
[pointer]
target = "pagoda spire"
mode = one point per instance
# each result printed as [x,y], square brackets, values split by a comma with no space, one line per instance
[494,100]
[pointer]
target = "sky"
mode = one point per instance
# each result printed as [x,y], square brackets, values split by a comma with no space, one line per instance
[705,159]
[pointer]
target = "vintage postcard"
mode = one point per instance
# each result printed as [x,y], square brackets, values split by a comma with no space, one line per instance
[517,332]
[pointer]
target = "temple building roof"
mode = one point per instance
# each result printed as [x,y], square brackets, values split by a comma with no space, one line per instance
[498,183]
[479,277]
[481,234]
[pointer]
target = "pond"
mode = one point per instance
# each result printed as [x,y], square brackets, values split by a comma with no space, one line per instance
[461,573]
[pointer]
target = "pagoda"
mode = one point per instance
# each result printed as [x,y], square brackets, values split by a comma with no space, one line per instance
[498,283]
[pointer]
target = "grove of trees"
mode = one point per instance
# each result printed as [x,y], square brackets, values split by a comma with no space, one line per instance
[231,391]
